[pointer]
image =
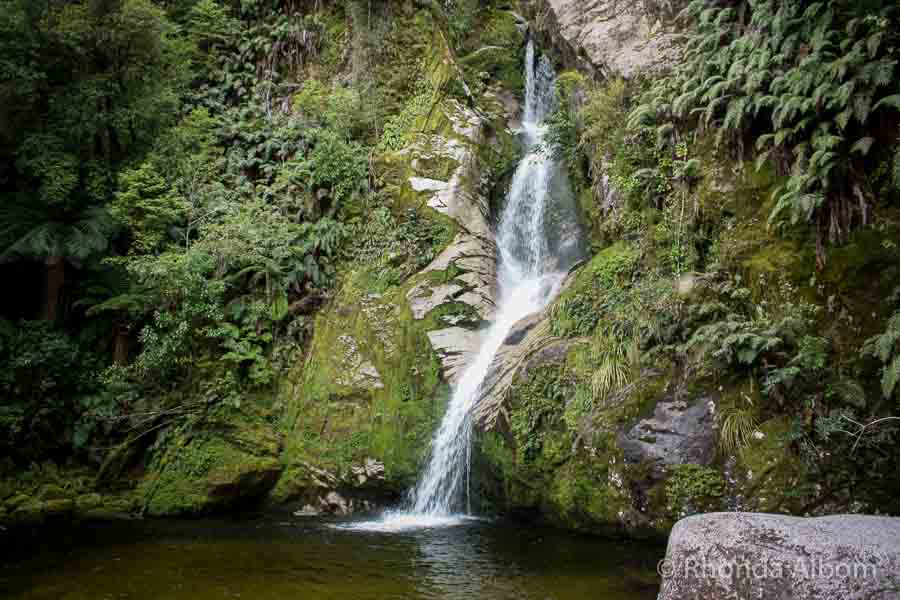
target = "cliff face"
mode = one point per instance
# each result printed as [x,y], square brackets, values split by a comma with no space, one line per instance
[635,399]
[606,37]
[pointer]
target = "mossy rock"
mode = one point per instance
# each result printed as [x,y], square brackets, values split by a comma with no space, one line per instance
[52,492]
[15,501]
[693,489]
[88,502]
[772,478]
[212,466]
[370,387]
[28,512]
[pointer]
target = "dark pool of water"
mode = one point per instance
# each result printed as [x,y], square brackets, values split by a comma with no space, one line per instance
[296,558]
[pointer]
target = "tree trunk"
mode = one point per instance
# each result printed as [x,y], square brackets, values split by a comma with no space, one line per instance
[56,278]
[120,345]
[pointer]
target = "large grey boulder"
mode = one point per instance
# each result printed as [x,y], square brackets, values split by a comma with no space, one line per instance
[774,557]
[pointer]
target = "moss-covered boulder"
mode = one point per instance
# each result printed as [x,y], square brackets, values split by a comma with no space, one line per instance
[214,464]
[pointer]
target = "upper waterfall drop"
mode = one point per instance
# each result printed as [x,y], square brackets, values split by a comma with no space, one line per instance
[537,238]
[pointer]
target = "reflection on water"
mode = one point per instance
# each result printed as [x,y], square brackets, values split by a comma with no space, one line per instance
[299,559]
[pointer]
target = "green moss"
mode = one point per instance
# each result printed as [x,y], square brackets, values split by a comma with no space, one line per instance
[540,468]
[334,419]
[580,307]
[773,478]
[694,489]
[209,466]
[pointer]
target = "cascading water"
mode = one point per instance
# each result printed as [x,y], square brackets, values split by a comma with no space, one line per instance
[535,254]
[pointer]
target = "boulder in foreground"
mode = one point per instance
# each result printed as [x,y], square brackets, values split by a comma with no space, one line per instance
[775,557]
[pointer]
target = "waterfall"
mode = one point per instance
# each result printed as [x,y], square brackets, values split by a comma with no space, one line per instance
[528,277]
[536,233]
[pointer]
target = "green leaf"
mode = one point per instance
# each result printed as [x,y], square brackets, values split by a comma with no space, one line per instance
[891,377]
[889,101]
[863,145]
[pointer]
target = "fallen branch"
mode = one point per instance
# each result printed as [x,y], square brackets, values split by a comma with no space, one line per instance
[862,428]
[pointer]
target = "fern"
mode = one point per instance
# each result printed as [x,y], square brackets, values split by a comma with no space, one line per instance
[886,348]
[797,74]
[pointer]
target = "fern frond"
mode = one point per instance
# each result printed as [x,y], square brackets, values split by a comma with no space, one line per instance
[863,146]
[890,377]
[889,101]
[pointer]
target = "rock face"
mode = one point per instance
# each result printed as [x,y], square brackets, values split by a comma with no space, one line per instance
[607,37]
[678,433]
[318,491]
[472,253]
[744,555]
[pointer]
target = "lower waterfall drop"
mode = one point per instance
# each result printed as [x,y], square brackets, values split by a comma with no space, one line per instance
[535,254]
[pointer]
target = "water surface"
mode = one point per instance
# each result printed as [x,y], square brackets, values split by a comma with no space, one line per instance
[298,559]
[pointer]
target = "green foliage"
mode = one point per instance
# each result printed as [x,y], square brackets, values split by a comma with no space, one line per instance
[45,373]
[34,232]
[693,489]
[344,111]
[616,363]
[886,348]
[398,247]
[542,399]
[147,207]
[603,279]
[760,333]
[738,421]
[810,77]
[397,128]
[338,166]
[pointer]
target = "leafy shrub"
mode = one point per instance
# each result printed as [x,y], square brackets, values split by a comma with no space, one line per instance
[45,371]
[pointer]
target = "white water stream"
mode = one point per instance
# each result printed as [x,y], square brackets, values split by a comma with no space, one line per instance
[529,276]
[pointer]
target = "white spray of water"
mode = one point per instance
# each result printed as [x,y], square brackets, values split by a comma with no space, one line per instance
[528,279]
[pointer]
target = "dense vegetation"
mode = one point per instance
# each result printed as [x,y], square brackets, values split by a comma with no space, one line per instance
[200,197]
[743,207]
[180,181]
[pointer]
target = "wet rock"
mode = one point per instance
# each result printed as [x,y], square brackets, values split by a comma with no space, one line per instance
[371,471]
[455,346]
[308,510]
[471,253]
[319,491]
[333,503]
[423,298]
[746,555]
